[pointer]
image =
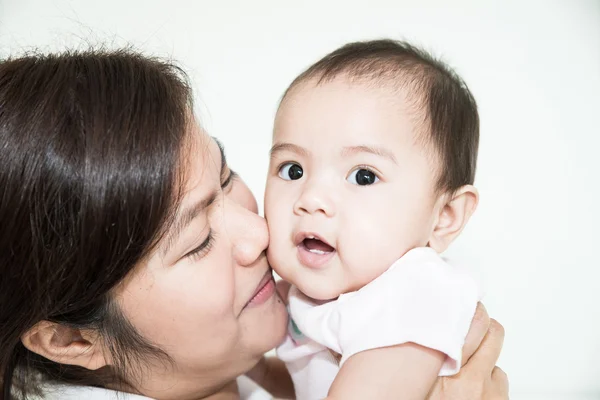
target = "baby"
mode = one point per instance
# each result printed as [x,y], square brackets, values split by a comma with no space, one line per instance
[371,173]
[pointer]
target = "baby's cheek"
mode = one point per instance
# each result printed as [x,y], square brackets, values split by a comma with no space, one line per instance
[277,232]
[371,267]
[278,220]
[276,256]
[371,252]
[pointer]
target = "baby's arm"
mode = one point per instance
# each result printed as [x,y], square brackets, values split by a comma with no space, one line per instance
[406,371]
[478,379]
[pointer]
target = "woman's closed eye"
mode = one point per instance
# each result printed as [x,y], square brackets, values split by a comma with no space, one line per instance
[203,249]
[227,181]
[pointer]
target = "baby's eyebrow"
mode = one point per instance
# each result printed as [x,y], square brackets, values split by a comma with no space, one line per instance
[378,151]
[345,152]
[278,147]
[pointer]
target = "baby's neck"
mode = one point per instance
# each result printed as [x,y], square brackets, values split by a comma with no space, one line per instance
[320,302]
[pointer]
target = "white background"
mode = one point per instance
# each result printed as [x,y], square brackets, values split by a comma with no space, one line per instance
[534,68]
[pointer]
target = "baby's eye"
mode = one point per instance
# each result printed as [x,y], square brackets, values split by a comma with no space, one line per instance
[362,177]
[290,171]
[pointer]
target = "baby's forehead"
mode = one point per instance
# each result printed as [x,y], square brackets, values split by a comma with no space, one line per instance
[347,101]
[401,87]
[366,96]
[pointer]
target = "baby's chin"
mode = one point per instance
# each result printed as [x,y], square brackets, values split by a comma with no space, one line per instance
[320,293]
[319,289]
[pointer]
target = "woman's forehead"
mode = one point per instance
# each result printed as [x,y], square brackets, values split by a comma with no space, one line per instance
[203,162]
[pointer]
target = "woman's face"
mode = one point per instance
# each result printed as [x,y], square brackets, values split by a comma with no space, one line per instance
[206,295]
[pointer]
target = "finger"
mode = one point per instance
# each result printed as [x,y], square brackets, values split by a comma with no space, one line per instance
[283,288]
[477,331]
[500,376]
[486,356]
[500,382]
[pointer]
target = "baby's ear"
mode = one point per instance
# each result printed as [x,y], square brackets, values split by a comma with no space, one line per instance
[453,216]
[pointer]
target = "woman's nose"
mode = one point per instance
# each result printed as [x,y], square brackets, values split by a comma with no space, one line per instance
[247,232]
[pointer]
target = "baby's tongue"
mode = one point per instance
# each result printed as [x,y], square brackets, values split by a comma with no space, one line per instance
[316,244]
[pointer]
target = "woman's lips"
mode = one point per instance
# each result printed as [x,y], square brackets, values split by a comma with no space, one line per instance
[264,291]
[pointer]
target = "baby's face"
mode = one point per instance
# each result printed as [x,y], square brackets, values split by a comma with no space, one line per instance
[350,187]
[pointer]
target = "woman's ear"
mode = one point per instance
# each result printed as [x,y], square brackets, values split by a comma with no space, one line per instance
[65,345]
[453,217]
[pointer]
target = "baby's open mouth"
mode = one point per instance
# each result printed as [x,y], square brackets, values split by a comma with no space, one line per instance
[316,246]
[313,251]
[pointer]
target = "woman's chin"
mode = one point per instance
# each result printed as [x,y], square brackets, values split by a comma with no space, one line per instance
[282,310]
[280,323]
[266,326]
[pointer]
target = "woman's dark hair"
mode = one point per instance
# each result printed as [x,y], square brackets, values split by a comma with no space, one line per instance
[90,148]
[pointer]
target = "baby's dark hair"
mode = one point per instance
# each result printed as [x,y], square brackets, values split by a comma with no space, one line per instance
[444,106]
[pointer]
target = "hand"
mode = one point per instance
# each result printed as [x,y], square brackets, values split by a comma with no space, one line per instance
[479,378]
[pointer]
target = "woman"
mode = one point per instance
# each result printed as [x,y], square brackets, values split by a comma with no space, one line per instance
[132,258]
